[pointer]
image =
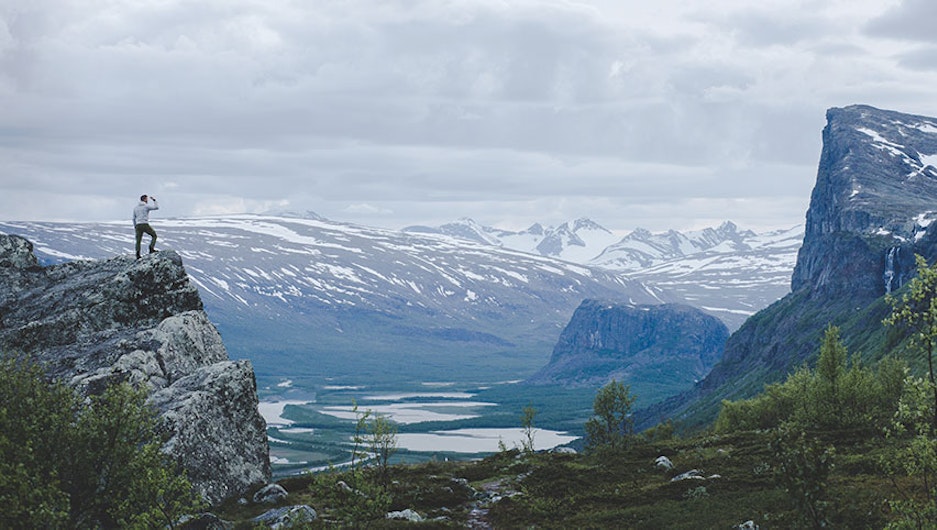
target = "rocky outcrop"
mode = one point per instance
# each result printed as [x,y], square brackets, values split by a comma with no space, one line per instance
[661,344]
[870,212]
[95,323]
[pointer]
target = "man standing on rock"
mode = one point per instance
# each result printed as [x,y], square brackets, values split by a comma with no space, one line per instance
[141,222]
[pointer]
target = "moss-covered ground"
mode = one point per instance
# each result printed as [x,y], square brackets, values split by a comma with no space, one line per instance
[610,489]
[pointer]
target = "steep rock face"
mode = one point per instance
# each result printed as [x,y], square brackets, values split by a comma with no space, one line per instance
[95,323]
[647,345]
[875,192]
[216,405]
[870,212]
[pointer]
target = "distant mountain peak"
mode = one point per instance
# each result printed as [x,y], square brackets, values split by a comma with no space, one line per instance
[467,221]
[872,182]
[639,234]
[607,340]
[584,223]
[728,227]
[293,214]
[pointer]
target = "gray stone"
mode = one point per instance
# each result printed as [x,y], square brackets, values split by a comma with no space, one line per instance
[16,253]
[95,323]
[405,515]
[215,429]
[286,516]
[270,494]
[693,474]
[663,462]
[204,521]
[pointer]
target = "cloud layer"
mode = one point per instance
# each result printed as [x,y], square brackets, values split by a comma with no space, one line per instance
[399,112]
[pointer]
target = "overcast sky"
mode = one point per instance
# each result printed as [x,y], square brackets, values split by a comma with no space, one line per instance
[659,114]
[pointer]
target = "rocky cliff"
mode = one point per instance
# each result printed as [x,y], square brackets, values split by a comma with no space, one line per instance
[872,204]
[94,323]
[658,349]
[870,211]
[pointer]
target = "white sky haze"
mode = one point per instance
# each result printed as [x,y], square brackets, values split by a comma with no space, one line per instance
[665,114]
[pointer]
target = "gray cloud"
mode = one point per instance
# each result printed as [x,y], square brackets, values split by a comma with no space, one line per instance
[922,58]
[909,20]
[405,112]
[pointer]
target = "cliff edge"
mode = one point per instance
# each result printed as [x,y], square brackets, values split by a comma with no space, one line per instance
[872,209]
[96,323]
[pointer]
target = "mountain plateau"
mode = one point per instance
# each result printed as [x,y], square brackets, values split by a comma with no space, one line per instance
[655,348]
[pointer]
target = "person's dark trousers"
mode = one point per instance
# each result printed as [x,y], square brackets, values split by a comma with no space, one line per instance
[145,228]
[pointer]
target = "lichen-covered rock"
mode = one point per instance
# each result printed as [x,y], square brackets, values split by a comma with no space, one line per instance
[286,517]
[95,323]
[17,262]
[405,515]
[16,253]
[270,494]
[215,430]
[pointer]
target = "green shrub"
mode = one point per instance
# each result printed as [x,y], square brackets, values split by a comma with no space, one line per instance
[915,456]
[69,462]
[840,393]
[803,466]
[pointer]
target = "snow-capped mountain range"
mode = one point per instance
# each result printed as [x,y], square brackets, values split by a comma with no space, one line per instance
[726,271]
[328,297]
[578,241]
[304,290]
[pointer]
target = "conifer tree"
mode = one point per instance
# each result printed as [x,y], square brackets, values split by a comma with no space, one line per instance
[830,373]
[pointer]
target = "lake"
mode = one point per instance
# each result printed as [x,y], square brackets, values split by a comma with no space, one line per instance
[311,425]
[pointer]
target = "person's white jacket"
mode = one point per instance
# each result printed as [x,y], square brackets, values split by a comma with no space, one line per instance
[141,214]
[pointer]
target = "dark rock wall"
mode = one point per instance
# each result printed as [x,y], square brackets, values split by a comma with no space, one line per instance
[605,340]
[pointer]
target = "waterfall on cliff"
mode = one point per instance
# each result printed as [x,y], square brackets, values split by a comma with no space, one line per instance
[889,275]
